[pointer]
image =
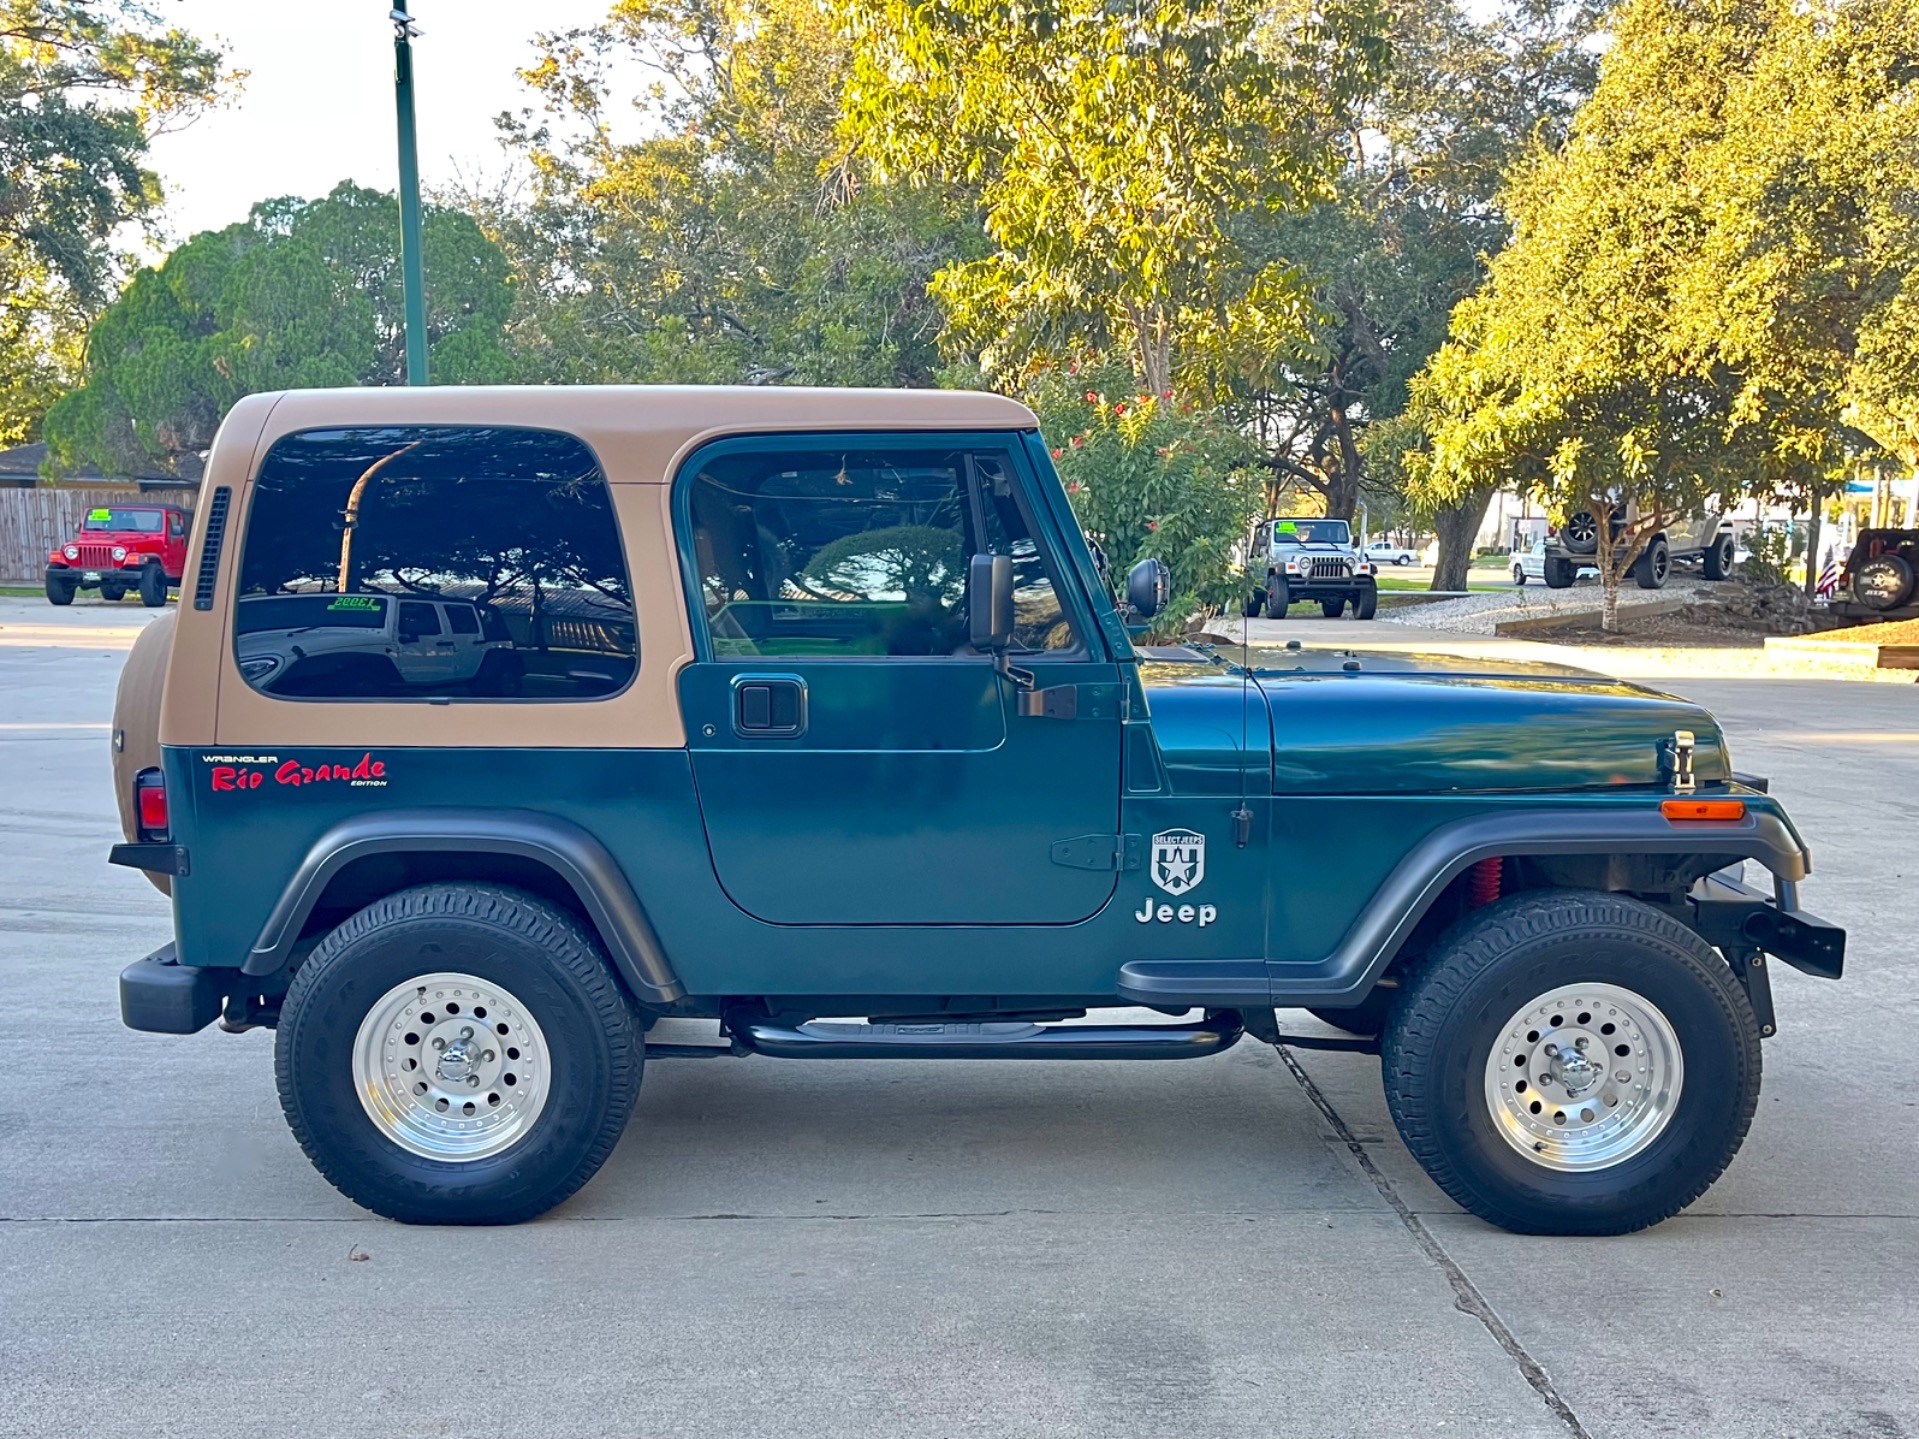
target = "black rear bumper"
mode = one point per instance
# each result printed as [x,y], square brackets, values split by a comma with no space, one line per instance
[160,995]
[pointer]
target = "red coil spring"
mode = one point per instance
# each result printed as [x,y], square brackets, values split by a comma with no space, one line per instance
[1482,883]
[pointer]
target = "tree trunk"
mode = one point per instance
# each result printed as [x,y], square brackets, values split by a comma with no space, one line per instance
[1812,540]
[1342,494]
[1456,529]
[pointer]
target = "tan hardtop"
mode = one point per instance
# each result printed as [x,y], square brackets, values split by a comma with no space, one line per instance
[641,432]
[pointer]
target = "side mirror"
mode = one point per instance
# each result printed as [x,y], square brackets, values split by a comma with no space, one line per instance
[989,601]
[1148,587]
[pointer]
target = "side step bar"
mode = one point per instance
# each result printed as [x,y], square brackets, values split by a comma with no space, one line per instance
[1014,1039]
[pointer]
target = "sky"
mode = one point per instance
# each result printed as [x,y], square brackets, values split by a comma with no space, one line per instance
[317,107]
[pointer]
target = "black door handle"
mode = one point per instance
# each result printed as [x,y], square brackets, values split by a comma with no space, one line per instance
[769,706]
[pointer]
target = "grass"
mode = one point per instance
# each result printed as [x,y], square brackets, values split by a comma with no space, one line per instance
[1389,583]
[21,592]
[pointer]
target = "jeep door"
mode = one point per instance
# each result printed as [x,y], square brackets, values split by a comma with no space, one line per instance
[857,762]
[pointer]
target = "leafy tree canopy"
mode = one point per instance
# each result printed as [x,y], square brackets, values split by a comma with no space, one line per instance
[1115,150]
[304,294]
[84,85]
[735,245]
[1679,314]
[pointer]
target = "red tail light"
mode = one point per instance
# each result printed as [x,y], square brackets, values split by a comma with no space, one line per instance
[150,801]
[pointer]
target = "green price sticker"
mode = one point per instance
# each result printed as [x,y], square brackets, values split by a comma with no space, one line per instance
[355,602]
[99,517]
[1287,527]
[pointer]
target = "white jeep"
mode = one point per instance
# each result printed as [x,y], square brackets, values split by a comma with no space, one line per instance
[378,644]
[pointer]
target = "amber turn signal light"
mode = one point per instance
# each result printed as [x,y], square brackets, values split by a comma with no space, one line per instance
[1709,809]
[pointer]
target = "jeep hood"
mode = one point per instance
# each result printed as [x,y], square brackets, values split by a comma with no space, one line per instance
[1359,722]
[1353,722]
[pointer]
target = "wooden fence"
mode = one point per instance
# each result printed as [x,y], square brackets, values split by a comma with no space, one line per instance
[33,522]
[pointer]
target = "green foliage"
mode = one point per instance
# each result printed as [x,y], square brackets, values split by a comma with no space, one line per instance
[303,295]
[1151,475]
[1116,151]
[735,246]
[1677,317]
[84,84]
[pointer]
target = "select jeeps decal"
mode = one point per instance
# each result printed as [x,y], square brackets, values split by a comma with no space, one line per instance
[1179,860]
[226,772]
[1178,865]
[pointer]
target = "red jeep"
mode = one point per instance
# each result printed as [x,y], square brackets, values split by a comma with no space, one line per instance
[121,548]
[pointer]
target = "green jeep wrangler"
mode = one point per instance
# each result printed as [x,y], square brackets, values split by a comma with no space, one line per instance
[823,725]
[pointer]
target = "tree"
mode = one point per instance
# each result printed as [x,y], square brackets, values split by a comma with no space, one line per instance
[1116,149]
[84,85]
[303,295]
[1673,320]
[1148,475]
[736,244]
[1405,238]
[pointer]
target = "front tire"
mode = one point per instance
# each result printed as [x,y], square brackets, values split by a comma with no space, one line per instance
[1278,598]
[1332,609]
[407,1113]
[1502,1064]
[61,589]
[1519,577]
[153,586]
[1366,603]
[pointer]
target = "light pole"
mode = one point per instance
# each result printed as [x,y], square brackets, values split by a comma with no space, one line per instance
[412,271]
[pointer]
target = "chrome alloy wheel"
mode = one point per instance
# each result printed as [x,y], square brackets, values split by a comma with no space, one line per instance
[1584,1077]
[451,1067]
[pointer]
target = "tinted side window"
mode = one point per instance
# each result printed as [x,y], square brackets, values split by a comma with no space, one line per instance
[834,552]
[351,530]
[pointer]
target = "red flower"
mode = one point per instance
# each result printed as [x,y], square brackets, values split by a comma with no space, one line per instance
[1152,524]
[1120,408]
[1078,440]
[1166,395]
[1056,452]
[1073,488]
[1092,397]
[1072,367]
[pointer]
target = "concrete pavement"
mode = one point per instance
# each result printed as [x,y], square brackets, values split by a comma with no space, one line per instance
[1233,1247]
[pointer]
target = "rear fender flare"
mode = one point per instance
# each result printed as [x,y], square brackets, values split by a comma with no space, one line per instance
[569,851]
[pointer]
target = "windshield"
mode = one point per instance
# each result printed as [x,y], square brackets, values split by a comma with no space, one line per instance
[1312,532]
[293,612]
[145,522]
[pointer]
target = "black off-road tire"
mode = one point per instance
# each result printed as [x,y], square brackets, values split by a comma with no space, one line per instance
[1580,534]
[112,591]
[1254,604]
[1332,609]
[1366,603]
[501,936]
[1651,570]
[153,586]
[61,589]
[1439,1039]
[1279,598]
[1716,562]
[1558,573]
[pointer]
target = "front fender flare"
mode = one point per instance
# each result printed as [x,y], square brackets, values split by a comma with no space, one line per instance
[572,853]
[1344,977]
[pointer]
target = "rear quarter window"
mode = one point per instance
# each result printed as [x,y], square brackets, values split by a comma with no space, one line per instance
[512,528]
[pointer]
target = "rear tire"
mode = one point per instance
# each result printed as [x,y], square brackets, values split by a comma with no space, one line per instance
[61,589]
[1332,609]
[341,1036]
[1559,574]
[1652,568]
[1254,604]
[153,586]
[1513,981]
[1716,562]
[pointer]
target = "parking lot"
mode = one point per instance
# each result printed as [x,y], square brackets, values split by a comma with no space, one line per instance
[1235,1246]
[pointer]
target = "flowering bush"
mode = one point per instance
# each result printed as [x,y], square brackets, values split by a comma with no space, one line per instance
[1148,475]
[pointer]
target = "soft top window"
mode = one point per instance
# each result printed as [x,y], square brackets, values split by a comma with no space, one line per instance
[144,522]
[512,527]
